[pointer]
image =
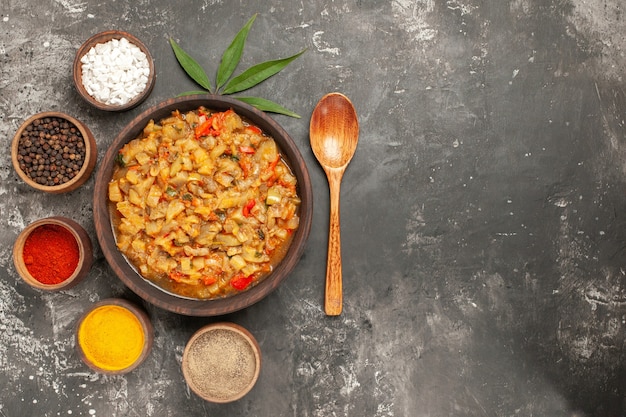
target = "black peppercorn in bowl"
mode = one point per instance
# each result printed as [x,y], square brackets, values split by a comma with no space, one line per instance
[53,152]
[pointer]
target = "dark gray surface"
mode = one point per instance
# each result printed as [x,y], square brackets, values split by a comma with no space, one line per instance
[482,215]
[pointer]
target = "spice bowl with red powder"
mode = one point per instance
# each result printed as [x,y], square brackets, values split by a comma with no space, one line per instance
[52,254]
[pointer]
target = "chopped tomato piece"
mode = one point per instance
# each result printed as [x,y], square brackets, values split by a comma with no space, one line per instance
[247,149]
[287,185]
[206,280]
[274,163]
[249,205]
[272,169]
[246,165]
[205,129]
[254,129]
[211,126]
[241,282]
[176,276]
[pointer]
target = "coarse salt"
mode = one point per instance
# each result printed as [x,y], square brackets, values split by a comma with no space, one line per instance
[115,72]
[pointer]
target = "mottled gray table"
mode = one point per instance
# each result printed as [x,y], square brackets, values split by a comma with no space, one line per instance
[482,216]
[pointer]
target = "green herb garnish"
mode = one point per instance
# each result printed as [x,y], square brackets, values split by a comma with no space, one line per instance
[119,159]
[171,192]
[220,214]
[225,83]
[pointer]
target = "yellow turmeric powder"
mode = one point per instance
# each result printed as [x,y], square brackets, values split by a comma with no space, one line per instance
[111,337]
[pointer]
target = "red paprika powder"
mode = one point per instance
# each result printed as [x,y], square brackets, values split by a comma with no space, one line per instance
[51,254]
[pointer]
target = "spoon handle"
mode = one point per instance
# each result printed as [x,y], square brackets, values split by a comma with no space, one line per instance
[334,290]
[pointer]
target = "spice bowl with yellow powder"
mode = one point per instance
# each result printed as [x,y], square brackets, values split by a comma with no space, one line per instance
[221,362]
[114,336]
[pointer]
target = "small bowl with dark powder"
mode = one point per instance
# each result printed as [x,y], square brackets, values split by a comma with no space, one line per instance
[53,152]
[221,362]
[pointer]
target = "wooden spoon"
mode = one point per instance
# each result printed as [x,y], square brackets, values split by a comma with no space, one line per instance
[334,133]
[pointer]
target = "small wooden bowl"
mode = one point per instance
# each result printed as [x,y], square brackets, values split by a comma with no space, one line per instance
[101,38]
[221,362]
[97,315]
[85,251]
[89,162]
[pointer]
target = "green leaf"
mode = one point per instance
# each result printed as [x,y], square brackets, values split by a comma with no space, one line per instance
[228,64]
[232,54]
[267,105]
[191,93]
[258,73]
[191,67]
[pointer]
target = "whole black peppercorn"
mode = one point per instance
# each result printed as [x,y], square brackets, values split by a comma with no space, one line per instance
[51,151]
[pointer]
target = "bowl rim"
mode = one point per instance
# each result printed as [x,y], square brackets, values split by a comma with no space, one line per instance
[232,327]
[151,292]
[85,253]
[102,37]
[91,154]
[134,309]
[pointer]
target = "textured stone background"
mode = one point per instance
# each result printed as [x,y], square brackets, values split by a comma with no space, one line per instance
[482,216]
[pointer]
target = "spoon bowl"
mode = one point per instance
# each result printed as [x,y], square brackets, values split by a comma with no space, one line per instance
[334,134]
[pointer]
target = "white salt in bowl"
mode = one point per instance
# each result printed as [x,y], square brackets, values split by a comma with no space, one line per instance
[114,71]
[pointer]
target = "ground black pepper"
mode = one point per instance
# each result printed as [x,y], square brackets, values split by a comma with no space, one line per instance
[221,364]
[51,151]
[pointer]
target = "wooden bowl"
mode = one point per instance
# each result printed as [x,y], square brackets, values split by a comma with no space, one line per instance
[51,225]
[103,38]
[145,288]
[106,330]
[89,159]
[221,362]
